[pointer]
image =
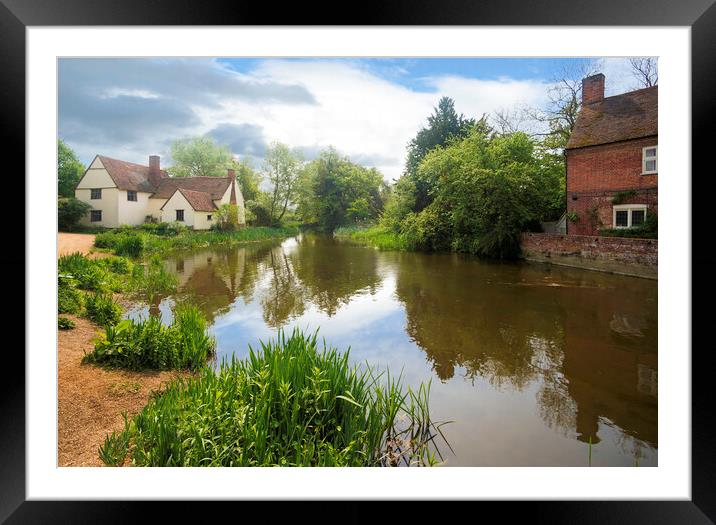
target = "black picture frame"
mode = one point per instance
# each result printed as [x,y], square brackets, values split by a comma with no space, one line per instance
[699,15]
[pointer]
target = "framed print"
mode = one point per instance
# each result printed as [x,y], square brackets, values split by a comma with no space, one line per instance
[427,238]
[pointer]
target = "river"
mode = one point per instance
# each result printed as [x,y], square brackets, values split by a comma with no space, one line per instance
[534,365]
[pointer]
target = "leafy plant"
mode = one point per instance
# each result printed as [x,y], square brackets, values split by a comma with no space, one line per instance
[69,299]
[103,309]
[287,404]
[65,323]
[621,196]
[70,211]
[573,216]
[149,344]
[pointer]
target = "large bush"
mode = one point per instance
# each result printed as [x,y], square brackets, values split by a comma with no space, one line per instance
[70,211]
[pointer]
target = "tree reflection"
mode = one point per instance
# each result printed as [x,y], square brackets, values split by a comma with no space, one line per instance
[332,272]
[591,348]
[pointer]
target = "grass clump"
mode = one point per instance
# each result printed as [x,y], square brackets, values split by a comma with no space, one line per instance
[69,299]
[152,279]
[103,309]
[154,238]
[98,275]
[289,404]
[65,323]
[379,237]
[149,344]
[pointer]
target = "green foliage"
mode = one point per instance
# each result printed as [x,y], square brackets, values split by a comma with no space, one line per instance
[249,179]
[65,323]
[69,299]
[129,245]
[257,213]
[443,126]
[621,196]
[69,170]
[152,279]
[486,189]
[70,211]
[648,230]
[281,167]
[172,238]
[573,216]
[149,344]
[89,274]
[334,192]
[199,157]
[377,236]
[103,309]
[289,404]
[226,218]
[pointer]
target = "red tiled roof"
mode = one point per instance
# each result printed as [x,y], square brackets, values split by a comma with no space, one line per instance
[131,176]
[198,200]
[214,186]
[627,116]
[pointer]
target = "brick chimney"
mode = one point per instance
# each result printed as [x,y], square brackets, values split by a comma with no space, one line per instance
[232,175]
[154,163]
[593,89]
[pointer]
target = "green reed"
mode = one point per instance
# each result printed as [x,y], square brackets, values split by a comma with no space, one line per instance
[287,404]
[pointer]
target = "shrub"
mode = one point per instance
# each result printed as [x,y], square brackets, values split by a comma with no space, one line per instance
[289,404]
[227,218]
[648,230]
[69,300]
[260,214]
[130,245]
[103,309]
[65,323]
[70,211]
[153,279]
[149,344]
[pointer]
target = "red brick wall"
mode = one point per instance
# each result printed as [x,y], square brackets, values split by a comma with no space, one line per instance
[596,173]
[621,250]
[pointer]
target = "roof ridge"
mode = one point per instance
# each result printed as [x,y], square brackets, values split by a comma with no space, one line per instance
[629,92]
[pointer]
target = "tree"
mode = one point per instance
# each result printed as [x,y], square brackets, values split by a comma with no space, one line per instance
[645,70]
[443,125]
[281,167]
[199,157]
[69,170]
[70,211]
[333,191]
[490,188]
[249,179]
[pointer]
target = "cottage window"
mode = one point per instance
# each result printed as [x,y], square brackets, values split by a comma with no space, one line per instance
[629,215]
[180,215]
[208,217]
[96,216]
[96,193]
[131,195]
[649,160]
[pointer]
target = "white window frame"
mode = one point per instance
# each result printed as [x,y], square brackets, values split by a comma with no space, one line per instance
[655,158]
[628,208]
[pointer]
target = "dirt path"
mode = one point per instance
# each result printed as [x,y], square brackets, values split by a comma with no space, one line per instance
[74,242]
[91,399]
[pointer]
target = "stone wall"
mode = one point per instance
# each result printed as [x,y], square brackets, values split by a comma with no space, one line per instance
[638,257]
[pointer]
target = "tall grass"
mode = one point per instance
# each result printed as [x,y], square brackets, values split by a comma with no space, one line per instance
[288,404]
[377,236]
[152,279]
[103,309]
[98,275]
[142,240]
[149,344]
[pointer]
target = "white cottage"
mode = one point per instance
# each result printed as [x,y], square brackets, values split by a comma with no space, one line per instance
[123,192]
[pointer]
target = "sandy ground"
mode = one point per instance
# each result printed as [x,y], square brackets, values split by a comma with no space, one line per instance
[91,399]
[75,242]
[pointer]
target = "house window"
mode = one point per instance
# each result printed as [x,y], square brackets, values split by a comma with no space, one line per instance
[131,195]
[180,265]
[649,160]
[208,217]
[180,215]
[95,215]
[629,215]
[96,193]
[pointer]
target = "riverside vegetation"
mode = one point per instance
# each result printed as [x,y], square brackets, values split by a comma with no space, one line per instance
[289,404]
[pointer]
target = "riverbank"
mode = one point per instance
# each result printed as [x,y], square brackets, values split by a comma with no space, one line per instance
[150,239]
[91,399]
[376,236]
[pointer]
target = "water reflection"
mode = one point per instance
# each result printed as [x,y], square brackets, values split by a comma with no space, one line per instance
[573,349]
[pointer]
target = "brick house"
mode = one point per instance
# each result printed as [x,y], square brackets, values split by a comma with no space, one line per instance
[611,159]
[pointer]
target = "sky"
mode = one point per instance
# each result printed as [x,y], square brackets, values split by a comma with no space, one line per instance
[367,108]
